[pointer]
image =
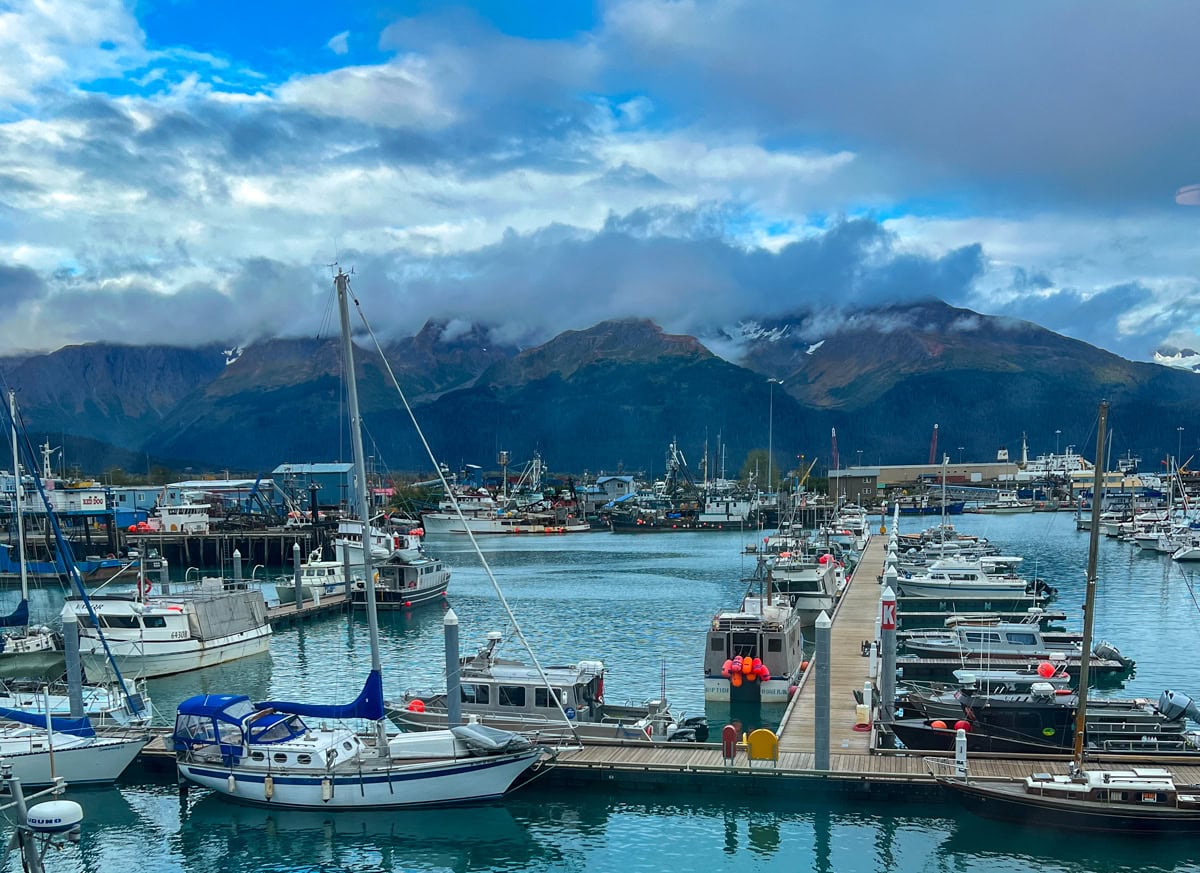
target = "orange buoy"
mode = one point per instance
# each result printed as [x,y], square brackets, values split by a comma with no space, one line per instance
[938,725]
[961,725]
[417,705]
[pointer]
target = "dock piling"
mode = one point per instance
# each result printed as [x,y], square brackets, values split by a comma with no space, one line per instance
[453,697]
[887,642]
[70,631]
[296,573]
[237,565]
[821,703]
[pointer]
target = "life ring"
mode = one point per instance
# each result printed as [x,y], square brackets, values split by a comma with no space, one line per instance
[146,586]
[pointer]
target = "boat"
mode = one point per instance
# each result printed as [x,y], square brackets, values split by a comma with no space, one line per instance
[1002,640]
[407,579]
[1041,721]
[949,577]
[755,652]
[811,581]
[1136,800]
[69,748]
[104,705]
[513,696]
[318,577]
[164,634]
[266,753]
[1006,503]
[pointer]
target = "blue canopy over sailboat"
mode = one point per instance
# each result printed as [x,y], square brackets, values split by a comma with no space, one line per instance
[368,704]
[76,727]
[19,617]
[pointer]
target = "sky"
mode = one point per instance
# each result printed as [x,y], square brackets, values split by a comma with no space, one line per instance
[186,171]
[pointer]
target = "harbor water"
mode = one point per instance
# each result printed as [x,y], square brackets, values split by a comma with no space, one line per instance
[637,602]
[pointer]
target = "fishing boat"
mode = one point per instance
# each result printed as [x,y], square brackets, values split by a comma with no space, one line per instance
[318,578]
[513,696]
[1006,503]
[266,753]
[407,579]
[754,652]
[1136,800]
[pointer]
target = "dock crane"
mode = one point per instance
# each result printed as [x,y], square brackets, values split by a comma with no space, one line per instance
[933,445]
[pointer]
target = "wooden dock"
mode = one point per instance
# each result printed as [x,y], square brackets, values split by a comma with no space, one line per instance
[853,623]
[289,614]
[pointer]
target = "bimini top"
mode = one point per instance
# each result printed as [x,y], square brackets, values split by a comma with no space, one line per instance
[215,705]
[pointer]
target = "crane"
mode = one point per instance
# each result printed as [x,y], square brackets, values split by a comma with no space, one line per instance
[933,445]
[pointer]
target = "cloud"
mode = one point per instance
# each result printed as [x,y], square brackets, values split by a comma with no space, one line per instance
[339,44]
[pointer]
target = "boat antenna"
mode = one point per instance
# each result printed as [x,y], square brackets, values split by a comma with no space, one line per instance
[1089,601]
[342,283]
[553,693]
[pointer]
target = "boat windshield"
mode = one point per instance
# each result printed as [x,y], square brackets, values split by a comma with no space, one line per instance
[275,728]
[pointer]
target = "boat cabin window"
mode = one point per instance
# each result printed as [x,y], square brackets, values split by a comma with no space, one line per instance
[154,621]
[304,759]
[512,695]
[981,637]
[1022,638]
[257,756]
[717,644]
[775,645]
[85,620]
[541,698]
[474,693]
[125,622]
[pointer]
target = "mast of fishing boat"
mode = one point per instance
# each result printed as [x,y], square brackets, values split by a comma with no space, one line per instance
[12,411]
[1089,601]
[342,282]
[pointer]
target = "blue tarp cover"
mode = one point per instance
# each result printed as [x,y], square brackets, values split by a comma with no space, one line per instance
[368,704]
[76,727]
[19,616]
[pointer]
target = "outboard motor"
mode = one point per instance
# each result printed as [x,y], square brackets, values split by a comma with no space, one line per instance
[682,735]
[699,725]
[1175,705]
[1106,651]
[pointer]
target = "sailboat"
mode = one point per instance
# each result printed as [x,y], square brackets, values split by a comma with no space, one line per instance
[1133,800]
[32,650]
[265,752]
[42,746]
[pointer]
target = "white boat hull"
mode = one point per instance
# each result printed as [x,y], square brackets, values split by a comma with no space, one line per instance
[165,658]
[916,588]
[444,523]
[403,785]
[98,762]
[717,688]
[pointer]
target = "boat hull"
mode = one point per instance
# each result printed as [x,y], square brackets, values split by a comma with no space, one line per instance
[720,689]
[447,523]
[396,787]
[915,588]
[168,657]
[1011,803]
[387,599]
[96,763]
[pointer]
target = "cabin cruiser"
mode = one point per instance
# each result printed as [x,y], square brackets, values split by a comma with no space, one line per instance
[514,696]
[811,581]
[948,577]
[1023,639]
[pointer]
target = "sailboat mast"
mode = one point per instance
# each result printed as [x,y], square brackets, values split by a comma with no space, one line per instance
[12,411]
[342,282]
[1089,601]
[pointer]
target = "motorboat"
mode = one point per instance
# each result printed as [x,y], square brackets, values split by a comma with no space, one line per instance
[1043,720]
[949,577]
[514,696]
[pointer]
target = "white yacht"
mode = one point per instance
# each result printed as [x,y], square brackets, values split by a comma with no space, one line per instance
[949,577]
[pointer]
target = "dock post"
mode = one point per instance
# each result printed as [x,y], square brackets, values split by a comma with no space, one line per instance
[164,573]
[873,662]
[887,642]
[960,753]
[349,582]
[70,631]
[453,696]
[296,574]
[237,566]
[821,705]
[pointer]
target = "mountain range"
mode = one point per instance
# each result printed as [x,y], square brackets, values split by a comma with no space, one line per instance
[612,396]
